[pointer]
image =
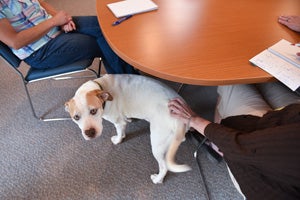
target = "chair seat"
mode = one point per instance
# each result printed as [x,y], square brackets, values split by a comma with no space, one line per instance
[34,73]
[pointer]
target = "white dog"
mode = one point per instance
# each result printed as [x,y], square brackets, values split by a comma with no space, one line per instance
[117,98]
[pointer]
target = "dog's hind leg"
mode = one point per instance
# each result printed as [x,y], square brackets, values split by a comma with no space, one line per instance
[120,128]
[159,178]
[159,147]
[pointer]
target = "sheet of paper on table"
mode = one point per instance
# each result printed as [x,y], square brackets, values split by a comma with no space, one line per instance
[131,7]
[281,61]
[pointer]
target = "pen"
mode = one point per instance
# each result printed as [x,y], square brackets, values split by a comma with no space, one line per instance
[296,44]
[119,21]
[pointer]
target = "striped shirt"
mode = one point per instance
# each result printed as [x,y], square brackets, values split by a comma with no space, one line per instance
[24,14]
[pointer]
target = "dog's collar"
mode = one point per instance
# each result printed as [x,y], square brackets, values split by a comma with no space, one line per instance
[98,84]
[103,105]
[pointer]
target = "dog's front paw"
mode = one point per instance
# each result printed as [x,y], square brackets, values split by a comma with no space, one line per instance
[116,139]
[156,178]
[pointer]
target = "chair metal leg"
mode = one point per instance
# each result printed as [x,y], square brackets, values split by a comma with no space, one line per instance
[180,88]
[33,110]
[99,67]
[29,99]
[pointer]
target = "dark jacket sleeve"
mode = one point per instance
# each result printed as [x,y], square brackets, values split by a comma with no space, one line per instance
[270,143]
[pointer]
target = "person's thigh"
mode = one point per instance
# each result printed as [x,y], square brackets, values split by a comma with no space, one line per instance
[240,100]
[113,63]
[277,94]
[87,25]
[65,49]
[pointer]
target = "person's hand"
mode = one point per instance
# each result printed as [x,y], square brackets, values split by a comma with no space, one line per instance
[61,18]
[69,27]
[180,110]
[292,22]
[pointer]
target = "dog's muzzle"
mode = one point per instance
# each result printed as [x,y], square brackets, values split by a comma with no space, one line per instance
[91,133]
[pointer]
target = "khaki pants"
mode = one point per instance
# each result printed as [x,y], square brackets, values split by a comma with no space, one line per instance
[253,99]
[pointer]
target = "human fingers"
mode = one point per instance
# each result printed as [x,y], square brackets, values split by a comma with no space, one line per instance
[179,103]
[178,114]
[177,106]
[186,108]
[65,28]
[70,28]
[73,25]
[283,17]
[61,18]
[174,102]
[283,20]
[183,107]
[180,110]
[174,107]
[292,22]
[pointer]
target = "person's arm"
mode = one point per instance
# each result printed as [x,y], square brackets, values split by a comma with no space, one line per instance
[250,146]
[68,27]
[17,40]
[49,8]
[277,147]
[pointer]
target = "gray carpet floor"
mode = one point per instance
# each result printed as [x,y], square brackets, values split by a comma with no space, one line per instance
[51,160]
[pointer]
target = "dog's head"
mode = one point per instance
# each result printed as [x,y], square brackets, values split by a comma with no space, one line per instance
[86,109]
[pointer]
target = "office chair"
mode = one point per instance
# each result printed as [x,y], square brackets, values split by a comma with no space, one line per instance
[58,73]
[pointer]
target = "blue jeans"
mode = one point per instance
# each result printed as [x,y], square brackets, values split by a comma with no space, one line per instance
[86,42]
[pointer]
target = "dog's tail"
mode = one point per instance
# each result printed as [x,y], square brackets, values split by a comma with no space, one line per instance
[170,156]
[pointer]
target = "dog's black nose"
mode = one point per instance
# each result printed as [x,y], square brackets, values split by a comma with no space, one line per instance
[91,133]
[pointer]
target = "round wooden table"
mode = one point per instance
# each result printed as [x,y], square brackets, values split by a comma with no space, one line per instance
[200,42]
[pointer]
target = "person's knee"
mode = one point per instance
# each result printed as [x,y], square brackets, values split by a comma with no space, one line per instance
[87,45]
[240,100]
[277,94]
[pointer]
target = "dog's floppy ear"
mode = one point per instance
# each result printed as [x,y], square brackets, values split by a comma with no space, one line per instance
[67,105]
[105,96]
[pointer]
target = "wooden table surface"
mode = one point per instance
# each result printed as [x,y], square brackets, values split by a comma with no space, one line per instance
[200,42]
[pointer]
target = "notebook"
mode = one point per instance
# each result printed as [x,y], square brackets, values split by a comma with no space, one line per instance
[131,7]
[281,61]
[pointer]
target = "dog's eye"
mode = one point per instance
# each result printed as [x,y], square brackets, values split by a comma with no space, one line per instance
[76,117]
[93,111]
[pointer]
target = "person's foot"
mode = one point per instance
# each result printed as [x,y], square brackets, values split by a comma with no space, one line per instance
[292,22]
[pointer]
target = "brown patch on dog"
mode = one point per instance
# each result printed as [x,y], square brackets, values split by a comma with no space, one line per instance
[92,100]
[96,98]
[70,106]
[105,96]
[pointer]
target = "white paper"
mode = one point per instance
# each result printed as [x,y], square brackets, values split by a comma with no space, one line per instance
[284,71]
[131,7]
[286,51]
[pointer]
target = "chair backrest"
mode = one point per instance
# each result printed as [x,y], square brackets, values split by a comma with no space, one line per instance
[9,56]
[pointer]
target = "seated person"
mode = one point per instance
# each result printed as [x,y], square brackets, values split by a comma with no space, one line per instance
[259,136]
[44,38]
